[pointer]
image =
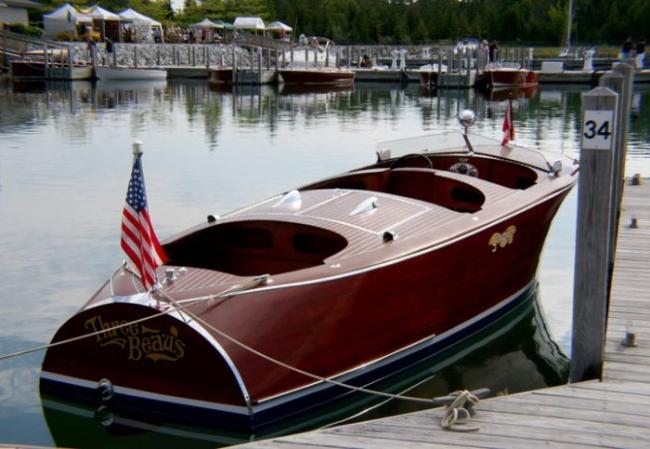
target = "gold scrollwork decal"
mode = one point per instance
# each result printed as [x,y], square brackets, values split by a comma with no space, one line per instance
[501,239]
[138,340]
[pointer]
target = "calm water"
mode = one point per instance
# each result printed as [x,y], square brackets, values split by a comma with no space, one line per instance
[64,165]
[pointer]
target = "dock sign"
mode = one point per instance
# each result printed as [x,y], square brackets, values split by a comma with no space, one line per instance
[598,130]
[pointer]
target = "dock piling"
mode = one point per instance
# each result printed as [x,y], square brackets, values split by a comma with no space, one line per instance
[591,286]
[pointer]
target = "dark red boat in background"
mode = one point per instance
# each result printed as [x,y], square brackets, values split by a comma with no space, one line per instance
[494,77]
[316,76]
[350,279]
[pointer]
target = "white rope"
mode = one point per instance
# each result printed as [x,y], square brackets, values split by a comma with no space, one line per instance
[457,414]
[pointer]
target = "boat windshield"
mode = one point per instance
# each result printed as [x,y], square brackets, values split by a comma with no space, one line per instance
[454,142]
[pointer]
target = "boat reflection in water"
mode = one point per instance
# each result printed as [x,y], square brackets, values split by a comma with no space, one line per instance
[519,341]
[502,94]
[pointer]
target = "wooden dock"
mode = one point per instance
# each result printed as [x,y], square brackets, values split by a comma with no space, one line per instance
[611,413]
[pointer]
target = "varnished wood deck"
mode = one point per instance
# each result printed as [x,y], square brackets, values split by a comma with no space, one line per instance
[612,413]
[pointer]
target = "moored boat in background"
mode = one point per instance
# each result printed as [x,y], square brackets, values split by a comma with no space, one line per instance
[284,306]
[129,73]
[506,77]
[314,76]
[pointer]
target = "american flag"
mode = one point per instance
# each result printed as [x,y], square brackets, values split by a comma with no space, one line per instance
[139,240]
[508,126]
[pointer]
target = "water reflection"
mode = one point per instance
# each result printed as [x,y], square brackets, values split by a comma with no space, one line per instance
[513,355]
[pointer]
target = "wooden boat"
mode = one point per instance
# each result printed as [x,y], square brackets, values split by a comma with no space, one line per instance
[226,76]
[506,77]
[429,74]
[129,73]
[352,279]
[319,75]
[27,70]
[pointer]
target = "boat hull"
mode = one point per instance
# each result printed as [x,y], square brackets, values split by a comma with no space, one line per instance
[507,78]
[357,328]
[129,73]
[35,70]
[316,76]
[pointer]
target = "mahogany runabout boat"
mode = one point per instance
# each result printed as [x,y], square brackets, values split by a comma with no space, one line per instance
[507,77]
[350,279]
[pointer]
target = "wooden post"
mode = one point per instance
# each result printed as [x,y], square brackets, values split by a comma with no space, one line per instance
[46,61]
[193,55]
[627,71]
[234,65]
[175,55]
[327,57]
[135,55]
[592,239]
[114,55]
[277,62]
[349,56]
[291,56]
[337,61]
[69,70]
[206,57]
[469,68]
[93,56]
[158,55]
[259,65]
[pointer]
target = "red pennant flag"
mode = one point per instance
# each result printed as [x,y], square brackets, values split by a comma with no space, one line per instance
[508,126]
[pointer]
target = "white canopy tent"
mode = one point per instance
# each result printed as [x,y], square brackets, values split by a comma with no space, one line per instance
[145,28]
[206,23]
[64,20]
[280,29]
[254,24]
[105,21]
[206,30]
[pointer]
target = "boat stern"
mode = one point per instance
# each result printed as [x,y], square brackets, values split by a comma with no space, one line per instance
[135,357]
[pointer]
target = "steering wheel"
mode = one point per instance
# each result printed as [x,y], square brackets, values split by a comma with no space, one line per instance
[396,162]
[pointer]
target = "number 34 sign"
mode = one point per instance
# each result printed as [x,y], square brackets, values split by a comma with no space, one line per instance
[598,130]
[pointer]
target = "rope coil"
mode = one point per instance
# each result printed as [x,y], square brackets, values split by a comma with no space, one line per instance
[460,411]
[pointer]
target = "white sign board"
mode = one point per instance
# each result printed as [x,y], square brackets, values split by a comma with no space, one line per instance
[598,130]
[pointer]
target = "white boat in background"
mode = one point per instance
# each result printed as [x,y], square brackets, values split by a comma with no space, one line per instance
[129,73]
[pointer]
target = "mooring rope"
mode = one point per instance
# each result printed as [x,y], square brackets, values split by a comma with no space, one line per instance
[177,307]
[457,413]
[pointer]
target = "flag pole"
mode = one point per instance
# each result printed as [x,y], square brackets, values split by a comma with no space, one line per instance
[137,148]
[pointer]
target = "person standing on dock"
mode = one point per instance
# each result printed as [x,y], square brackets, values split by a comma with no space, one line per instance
[626,51]
[493,49]
[640,54]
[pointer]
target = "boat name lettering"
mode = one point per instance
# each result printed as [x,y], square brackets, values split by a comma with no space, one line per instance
[501,239]
[137,339]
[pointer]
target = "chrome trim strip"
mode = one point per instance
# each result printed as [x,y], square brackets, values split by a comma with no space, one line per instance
[240,410]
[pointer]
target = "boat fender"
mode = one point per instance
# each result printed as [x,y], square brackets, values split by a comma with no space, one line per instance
[212,218]
[105,390]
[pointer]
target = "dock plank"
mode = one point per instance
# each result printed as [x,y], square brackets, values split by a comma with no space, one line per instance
[611,413]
